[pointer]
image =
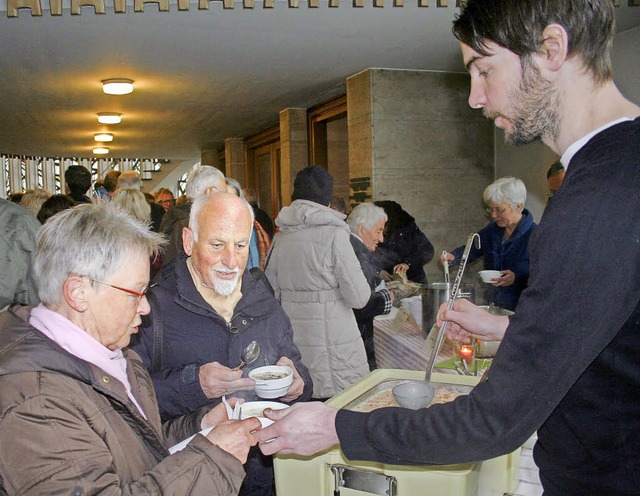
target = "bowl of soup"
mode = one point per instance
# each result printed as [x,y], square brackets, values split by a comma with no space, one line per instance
[272,381]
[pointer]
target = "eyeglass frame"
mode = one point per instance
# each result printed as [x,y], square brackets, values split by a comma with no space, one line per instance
[498,211]
[128,291]
[172,201]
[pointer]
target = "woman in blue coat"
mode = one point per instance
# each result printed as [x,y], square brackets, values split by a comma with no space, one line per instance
[504,241]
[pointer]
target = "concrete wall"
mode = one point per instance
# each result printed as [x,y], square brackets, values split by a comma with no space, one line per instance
[429,151]
[338,156]
[626,69]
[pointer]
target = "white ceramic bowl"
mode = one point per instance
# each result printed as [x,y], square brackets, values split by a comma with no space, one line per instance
[255,409]
[272,381]
[489,275]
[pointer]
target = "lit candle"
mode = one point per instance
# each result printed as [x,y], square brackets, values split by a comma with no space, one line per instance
[466,354]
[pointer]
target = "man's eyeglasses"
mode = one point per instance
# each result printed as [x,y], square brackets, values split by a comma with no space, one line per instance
[128,291]
[498,211]
[167,202]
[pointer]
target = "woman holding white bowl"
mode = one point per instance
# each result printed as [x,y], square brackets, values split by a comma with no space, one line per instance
[504,241]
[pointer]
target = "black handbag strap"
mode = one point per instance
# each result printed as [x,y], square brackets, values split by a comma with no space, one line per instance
[157,326]
[259,276]
[158,330]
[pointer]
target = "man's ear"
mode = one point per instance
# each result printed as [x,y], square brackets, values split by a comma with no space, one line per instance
[187,240]
[75,294]
[555,46]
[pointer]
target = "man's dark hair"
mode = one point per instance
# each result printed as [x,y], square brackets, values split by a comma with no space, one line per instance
[53,205]
[111,180]
[78,178]
[555,169]
[517,25]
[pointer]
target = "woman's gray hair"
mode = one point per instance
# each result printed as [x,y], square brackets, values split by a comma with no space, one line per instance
[236,187]
[200,202]
[87,240]
[506,189]
[200,180]
[133,202]
[366,214]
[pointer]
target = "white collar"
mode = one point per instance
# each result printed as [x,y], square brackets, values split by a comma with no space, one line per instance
[577,145]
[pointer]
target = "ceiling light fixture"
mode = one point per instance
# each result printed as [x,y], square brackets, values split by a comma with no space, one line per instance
[103,137]
[117,86]
[100,150]
[109,118]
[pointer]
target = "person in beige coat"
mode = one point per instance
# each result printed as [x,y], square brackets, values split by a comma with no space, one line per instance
[318,280]
[78,413]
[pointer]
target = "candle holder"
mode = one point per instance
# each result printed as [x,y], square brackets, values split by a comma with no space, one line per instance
[467,356]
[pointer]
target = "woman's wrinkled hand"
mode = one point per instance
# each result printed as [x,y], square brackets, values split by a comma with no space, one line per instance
[507,279]
[236,436]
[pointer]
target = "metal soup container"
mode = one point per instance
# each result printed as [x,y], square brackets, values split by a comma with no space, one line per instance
[437,293]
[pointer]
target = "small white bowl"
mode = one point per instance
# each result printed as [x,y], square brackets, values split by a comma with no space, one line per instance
[488,276]
[255,409]
[272,381]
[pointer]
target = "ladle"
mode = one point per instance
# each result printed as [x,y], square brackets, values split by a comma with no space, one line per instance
[425,391]
[249,355]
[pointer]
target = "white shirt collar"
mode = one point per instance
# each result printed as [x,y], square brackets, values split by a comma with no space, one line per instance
[577,145]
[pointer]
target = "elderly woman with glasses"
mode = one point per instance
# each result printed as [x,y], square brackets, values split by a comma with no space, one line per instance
[77,408]
[504,241]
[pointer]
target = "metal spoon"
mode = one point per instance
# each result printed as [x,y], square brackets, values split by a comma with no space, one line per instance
[249,355]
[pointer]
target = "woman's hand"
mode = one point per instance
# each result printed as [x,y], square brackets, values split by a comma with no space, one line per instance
[236,436]
[401,268]
[446,256]
[218,413]
[506,279]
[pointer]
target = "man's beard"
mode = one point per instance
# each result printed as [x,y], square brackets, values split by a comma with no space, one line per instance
[533,111]
[224,287]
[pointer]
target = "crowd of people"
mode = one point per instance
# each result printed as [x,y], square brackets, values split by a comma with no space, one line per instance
[126,315]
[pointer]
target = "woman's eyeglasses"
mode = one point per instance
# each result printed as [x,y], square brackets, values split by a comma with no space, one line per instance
[128,291]
[497,211]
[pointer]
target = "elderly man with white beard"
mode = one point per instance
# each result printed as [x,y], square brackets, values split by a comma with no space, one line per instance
[205,309]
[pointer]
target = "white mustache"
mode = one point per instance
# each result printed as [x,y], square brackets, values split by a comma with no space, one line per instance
[228,271]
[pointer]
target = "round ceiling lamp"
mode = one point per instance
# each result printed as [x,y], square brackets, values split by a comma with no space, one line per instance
[109,118]
[100,150]
[117,86]
[103,137]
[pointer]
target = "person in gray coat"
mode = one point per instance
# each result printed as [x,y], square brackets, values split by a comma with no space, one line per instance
[318,280]
[18,230]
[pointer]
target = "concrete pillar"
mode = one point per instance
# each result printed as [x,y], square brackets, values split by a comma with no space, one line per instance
[211,157]
[414,139]
[234,160]
[294,149]
[360,129]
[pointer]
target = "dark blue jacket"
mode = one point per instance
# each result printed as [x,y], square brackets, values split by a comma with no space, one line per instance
[513,254]
[194,334]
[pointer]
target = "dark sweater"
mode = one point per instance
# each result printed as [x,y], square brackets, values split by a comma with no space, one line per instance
[569,365]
